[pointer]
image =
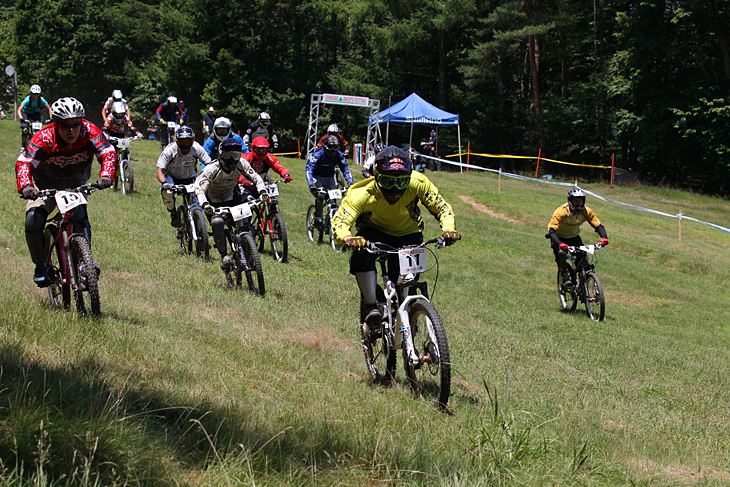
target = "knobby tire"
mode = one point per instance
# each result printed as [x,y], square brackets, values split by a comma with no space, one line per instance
[202,248]
[128,177]
[279,241]
[595,299]
[432,379]
[568,297]
[380,357]
[88,285]
[248,247]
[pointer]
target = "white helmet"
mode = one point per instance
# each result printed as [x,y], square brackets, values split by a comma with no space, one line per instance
[333,129]
[35,89]
[118,111]
[222,128]
[264,118]
[117,95]
[172,99]
[67,107]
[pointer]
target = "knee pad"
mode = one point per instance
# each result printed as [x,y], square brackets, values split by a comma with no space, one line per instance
[35,220]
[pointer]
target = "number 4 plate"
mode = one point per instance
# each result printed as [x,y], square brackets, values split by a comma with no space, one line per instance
[68,200]
[240,212]
[412,261]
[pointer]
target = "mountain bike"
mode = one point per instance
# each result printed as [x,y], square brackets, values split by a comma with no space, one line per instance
[168,134]
[30,127]
[588,288]
[267,220]
[68,258]
[410,323]
[239,235]
[332,199]
[125,173]
[194,230]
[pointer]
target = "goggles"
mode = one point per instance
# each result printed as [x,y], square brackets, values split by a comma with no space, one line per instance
[185,143]
[578,201]
[394,182]
[260,151]
[231,155]
[222,131]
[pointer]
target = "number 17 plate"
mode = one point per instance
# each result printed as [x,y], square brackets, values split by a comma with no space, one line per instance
[412,261]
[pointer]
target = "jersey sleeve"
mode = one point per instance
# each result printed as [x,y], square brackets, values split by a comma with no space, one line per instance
[429,195]
[274,163]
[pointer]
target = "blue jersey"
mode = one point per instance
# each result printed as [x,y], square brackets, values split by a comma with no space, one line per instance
[33,107]
[323,166]
[211,146]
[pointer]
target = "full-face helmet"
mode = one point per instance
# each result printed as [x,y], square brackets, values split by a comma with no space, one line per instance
[184,137]
[35,89]
[118,112]
[260,147]
[576,199]
[392,170]
[331,145]
[333,129]
[230,152]
[68,107]
[117,95]
[264,119]
[222,128]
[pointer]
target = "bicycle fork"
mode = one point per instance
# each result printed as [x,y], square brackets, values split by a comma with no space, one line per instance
[404,333]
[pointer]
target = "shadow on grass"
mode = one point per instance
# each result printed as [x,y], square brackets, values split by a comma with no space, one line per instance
[83,417]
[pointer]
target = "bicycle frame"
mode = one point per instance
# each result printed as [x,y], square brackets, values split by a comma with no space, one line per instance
[185,191]
[264,212]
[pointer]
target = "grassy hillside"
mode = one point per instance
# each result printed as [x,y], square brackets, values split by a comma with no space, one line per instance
[183,382]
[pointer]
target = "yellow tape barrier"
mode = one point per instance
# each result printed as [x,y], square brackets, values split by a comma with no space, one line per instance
[503,156]
[284,153]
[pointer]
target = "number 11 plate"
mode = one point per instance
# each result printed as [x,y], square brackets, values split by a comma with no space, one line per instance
[412,261]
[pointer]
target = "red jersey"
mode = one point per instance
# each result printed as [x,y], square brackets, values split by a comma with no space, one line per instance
[111,125]
[343,142]
[262,167]
[52,164]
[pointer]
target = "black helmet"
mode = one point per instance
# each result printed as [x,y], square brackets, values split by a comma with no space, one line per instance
[392,169]
[576,199]
[185,138]
[230,152]
[331,145]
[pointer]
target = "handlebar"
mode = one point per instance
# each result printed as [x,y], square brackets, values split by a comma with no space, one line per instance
[87,188]
[583,248]
[383,248]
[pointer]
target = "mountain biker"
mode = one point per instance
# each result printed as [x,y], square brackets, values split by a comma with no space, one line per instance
[116,96]
[217,186]
[384,208]
[169,111]
[30,110]
[184,117]
[261,160]
[117,120]
[208,121]
[60,157]
[262,128]
[335,130]
[178,164]
[320,172]
[221,131]
[564,229]
[367,167]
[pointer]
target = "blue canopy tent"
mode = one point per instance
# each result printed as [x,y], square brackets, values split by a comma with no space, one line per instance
[415,110]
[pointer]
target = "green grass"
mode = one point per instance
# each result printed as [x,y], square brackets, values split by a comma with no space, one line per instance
[183,382]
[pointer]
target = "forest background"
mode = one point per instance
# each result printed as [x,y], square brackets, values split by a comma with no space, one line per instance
[584,81]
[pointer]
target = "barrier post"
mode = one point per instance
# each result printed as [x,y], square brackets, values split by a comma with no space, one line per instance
[539,153]
[468,151]
[680,227]
[299,149]
[613,161]
[499,190]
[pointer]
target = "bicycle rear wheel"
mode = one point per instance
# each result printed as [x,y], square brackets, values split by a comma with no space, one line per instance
[59,292]
[432,376]
[185,232]
[253,259]
[279,241]
[568,297]
[86,277]
[202,248]
[377,347]
[595,300]
[127,176]
[311,230]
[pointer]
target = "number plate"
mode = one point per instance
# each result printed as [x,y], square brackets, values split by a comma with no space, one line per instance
[190,188]
[68,200]
[36,126]
[412,261]
[171,125]
[123,143]
[335,194]
[240,212]
[273,190]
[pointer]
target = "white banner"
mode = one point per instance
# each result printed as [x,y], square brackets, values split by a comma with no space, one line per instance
[358,101]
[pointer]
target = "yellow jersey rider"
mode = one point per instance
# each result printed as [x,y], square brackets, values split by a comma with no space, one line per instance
[564,229]
[384,208]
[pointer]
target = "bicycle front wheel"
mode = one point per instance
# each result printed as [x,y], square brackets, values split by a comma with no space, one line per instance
[202,248]
[330,231]
[127,177]
[595,300]
[87,279]
[185,232]
[567,296]
[310,223]
[279,242]
[377,346]
[59,292]
[253,259]
[431,377]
